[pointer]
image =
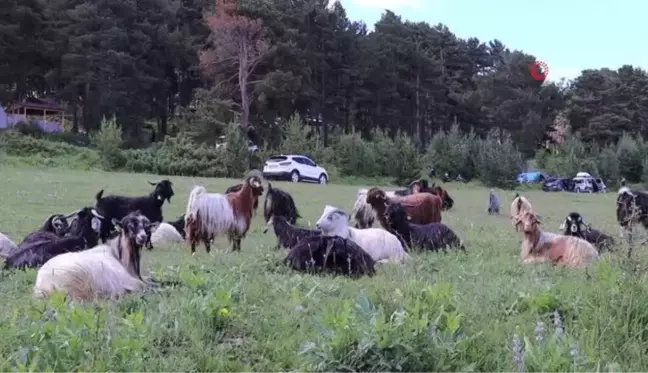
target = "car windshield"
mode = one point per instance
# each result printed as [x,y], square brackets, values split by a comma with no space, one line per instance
[277,158]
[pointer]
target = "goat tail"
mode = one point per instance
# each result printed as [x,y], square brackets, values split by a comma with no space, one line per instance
[99,195]
[192,206]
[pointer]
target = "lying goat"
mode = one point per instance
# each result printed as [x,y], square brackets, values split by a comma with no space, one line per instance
[106,271]
[539,246]
[574,225]
[330,254]
[433,236]
[55,226]
[287,234]
[172,231]
[280,203]
[116,207]
[380,244]
[83,234]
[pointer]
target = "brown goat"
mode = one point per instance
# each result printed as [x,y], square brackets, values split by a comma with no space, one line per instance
[539,246]
[211,214]
[422,208]
[519,206]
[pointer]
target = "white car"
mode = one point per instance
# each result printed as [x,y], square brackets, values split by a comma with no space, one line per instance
[295,168]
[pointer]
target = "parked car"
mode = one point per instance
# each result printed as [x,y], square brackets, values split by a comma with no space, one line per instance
[295,168]
[585,183]
[557,184]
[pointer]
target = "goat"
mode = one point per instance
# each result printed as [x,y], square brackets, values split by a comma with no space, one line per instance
[362,213]
[539,246]
[83,234]
[236,188]
[116,207]
[106,271]
[574,225]
[279,203]
[381,245]
[422,208]
[632,209]
[332,254]
[493,203]
[519,205]
[172,231]
[7,247]
[211,214]
[448,202]
[433,236]
[287,234]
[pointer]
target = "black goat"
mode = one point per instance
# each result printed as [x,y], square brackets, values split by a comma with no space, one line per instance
[55,226]
[632,209]
[433,236]
[330,254]
[236,188]
[280,203]
[179,225]
[287,234]
[574,225]
[116,207]
[83,235]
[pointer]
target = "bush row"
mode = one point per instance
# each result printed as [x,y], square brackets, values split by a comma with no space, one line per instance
[494,160]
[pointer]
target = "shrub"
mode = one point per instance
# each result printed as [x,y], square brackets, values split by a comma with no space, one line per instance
[404,161]
[452,152]
[629,154]
[353,156]
[236,154]
[498,162]
[108,142]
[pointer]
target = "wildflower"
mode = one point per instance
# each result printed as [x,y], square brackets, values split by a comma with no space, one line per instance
[223,312]
[573,351]
[516,347]
[540,330]
[558,325]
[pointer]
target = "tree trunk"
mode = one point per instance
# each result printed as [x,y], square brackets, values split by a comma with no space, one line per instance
[243,75]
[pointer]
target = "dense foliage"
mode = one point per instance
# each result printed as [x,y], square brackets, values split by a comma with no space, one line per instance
[192,67]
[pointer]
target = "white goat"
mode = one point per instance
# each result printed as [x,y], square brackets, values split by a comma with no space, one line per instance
[363,214]
[7,247]
[106,271]
[164,233]
[381,245]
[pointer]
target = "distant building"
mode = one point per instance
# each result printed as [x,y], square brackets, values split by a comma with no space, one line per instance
[46,114]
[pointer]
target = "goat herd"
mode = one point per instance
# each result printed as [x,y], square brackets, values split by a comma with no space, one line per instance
[70,259]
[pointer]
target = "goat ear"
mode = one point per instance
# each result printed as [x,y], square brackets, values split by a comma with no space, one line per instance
[150,182]
[562,226]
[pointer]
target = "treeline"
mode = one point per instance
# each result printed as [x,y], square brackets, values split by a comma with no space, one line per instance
[164,66]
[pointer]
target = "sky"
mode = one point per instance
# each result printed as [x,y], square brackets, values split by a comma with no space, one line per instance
[568,35]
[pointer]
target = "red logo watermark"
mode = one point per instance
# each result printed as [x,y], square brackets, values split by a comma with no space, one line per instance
[539,70]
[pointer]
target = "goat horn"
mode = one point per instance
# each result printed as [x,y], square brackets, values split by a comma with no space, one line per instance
[152,183]
[95,213]
[72,214]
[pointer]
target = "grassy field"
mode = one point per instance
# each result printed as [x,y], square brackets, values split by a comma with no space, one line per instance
[243,312]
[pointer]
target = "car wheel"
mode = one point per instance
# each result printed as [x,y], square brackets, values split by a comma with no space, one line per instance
[294,177]
[322,179]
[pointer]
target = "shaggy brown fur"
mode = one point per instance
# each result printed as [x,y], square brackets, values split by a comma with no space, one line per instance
[242,203]
[539,246]
[422,208]
[519,206]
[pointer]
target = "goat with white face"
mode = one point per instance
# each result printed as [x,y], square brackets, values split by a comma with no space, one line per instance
[381,245]
[574,225]
[106,271]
